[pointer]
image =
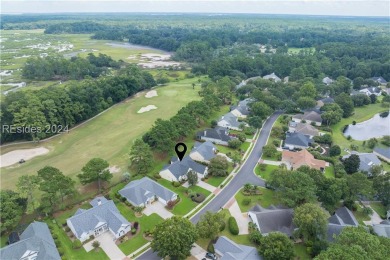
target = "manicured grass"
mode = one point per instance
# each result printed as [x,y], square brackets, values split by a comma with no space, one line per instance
[215,181]
[361,114]
[301,252]
[186,204]
[3,240]
[61,217]
[360,215]
[227,150]
[275,157]
[379,208]
[265,199]
[109,136]
[145,222]
[267,173]
[329,171]
[293,50]
[69,252]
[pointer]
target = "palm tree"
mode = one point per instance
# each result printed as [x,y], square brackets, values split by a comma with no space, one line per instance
[247,187]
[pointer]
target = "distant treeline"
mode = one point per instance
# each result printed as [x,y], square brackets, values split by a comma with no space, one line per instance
[56,107]
[58,67]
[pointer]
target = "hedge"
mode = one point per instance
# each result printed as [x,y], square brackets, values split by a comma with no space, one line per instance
[198,198]
[210,247]
[233,227]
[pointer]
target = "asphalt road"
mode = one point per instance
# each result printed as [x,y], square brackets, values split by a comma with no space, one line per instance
[245,175]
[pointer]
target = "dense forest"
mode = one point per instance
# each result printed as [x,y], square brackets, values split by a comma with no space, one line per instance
[58,67]
[70,105]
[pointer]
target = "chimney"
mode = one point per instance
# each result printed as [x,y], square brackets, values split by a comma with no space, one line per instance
[99,202]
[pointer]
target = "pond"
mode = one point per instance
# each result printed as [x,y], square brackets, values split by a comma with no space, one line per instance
[375,127]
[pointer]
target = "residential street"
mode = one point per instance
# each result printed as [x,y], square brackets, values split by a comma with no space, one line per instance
[245,175]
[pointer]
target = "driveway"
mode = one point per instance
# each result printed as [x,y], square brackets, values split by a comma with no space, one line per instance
[159,208]
[107,243]
[198,252]
[375,218]
[241,218]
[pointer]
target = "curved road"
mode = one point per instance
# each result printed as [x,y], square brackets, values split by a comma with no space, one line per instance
[245,175]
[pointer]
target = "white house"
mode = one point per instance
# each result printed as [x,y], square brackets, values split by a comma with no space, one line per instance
[371,90]
[203,152]
[102,217]
[230,121]
[272,77]
[144,191]
[177,170]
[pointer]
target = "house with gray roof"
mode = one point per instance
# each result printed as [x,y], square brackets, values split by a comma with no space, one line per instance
[327,81]
[312,116]
[383,153]
[371,91]
[272,77]
[272,219]
[203,152]
[230,121]
[297,140]
[382,229]
[144,191]
[226,249]
[367,160]
[305,129]
[242,110]
[177,170]
[324,101]
[342,218]
[380,80]
[217,135]
[102,217]
[36,242]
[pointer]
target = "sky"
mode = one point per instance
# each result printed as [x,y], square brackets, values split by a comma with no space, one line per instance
[305,7]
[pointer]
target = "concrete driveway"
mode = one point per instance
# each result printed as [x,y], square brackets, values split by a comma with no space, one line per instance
[206,186]
[198,252]
[159,208]
[107,243]
[241,218]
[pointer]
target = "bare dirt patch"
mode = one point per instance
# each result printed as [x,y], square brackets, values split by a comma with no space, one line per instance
[146,109]
[150,94]
[25,154]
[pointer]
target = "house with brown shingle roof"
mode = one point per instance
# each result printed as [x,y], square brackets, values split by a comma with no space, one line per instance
[294,160]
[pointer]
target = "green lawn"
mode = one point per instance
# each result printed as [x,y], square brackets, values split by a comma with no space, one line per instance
[61,217]
[146,223]
[109,136]
[215,181]
[3,240]
[186,204]
[293,50]
[379,208]
[360,215]
[227,150]
[301,252]
[275,157]
[69,252]
[266,199]
[361,114]
[267,173]
[329,171]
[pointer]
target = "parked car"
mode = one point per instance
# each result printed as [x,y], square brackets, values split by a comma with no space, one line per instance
[211,256]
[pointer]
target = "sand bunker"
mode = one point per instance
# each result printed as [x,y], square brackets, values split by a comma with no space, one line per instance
[25,154]
[146,109]
[150,94]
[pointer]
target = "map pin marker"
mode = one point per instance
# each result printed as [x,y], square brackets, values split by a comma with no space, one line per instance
[183,151]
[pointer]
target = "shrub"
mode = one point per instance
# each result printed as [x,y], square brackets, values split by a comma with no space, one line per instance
[223,226]
[123,199]
[176,184]
[199,197]
[335,150]
[233,227]
[55,236]
[234,143]
[354,122]
[349,137]
[127,203]
[384,114]
[133,231]
[91,237]
[135,225]
[76,244]
[255,237]
[157,176]
[210,247]
[170,204]
[67,229]
[95,244]
[262,166]
[246,201]
[276,143]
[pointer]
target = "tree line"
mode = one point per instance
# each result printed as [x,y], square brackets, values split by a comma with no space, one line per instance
[58,67]
[69,105]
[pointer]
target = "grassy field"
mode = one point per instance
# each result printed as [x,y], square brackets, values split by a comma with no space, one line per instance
[267,172]
[108,136]
[361,114]
[329,172]
[379,208]
[293,50]
[265,199]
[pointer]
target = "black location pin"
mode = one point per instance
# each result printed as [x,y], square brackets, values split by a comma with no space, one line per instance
[183,151]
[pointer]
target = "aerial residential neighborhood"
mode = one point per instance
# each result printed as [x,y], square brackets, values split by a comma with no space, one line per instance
[222,130]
